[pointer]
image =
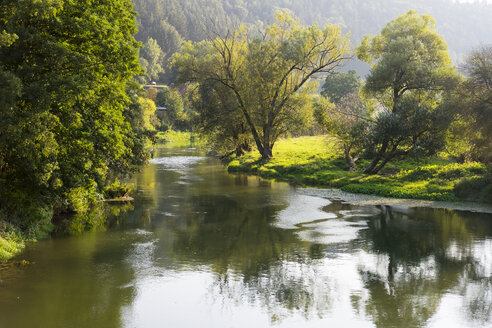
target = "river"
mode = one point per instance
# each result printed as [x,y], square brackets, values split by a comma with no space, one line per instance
[202,248]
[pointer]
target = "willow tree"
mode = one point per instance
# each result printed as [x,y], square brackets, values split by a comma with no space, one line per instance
[269,73]
[477,94]
[218,117]
[411,72]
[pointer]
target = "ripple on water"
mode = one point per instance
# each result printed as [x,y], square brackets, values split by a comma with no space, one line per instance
[318,223]
[302,209]
[176,162]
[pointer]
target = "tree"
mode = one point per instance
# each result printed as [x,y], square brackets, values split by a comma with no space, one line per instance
[219,118]
[173,101]
[476,92]
[269,74]
[411,71]
[339,84]
[151,60]
[349,121]
[67,130]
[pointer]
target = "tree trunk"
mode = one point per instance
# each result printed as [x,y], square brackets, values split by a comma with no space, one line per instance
[239,151]
[380,166]
[266,154]
[370,169]
[246,146]
[350,161]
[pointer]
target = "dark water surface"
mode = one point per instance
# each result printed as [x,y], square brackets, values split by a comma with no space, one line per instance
[201,248]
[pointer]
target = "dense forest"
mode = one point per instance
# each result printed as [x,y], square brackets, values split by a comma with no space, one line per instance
[72,119]
[464,26]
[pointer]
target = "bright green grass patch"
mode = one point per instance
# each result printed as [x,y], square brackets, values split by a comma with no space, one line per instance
[317,161]
[180,139]
[11,243]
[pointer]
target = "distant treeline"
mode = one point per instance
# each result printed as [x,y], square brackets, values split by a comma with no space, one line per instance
[464,26]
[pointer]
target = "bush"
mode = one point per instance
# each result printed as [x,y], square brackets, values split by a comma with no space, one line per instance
[116,190]
[475,189]
[11,241]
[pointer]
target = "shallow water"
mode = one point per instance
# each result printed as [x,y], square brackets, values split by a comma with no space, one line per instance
[202,248]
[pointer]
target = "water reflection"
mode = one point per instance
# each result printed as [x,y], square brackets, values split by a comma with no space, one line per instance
[203,248]
[422,255]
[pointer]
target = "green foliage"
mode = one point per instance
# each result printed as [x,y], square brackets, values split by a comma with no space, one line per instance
[168,21]
[116,190]
[348,120]
[315,161]
[411,74]
[72,120]
[269,76]
[219,119]
[339,84]
[11,241]
[174,117]
[149,119]
[151,60]
[472,133]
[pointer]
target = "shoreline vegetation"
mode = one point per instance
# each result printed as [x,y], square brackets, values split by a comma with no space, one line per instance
[315,161]
[13,240]
[174,138]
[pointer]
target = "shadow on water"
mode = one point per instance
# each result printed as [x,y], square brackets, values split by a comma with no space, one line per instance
[240,251]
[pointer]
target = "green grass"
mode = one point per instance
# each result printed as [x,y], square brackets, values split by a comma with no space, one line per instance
[11,243]
[316,161]
[180,139]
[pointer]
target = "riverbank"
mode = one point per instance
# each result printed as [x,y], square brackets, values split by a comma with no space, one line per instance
[11,243]
[180,139]
[317,161]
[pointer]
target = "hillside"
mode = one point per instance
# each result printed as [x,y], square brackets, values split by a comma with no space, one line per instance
[463,25]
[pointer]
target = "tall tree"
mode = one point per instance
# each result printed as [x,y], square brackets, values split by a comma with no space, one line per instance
[219,118]
[173,101]
[151,60]
[349,121]
[411,70]
[340,84]
[477,91]
[268,74]
[67,130]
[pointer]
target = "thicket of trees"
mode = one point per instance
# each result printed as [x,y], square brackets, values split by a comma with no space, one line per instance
[410,76]
[419,115]
[253,88]
[472,129]
[267,74]
[71,116]
[170,21]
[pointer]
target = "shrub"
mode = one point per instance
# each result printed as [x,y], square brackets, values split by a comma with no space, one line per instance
[475,189]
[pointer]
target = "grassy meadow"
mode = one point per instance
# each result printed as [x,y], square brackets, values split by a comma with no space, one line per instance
[318,161]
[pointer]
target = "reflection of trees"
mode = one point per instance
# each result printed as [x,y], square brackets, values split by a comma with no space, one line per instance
[83,282]
[249,255]
[98,218]
[425,253]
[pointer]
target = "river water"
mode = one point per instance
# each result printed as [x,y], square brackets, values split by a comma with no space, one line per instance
[201,248]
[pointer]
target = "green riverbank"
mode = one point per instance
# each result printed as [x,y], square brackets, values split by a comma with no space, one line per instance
[180,139]
[11,243]
[317,161]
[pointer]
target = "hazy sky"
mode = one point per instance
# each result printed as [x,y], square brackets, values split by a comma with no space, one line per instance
[488,1]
